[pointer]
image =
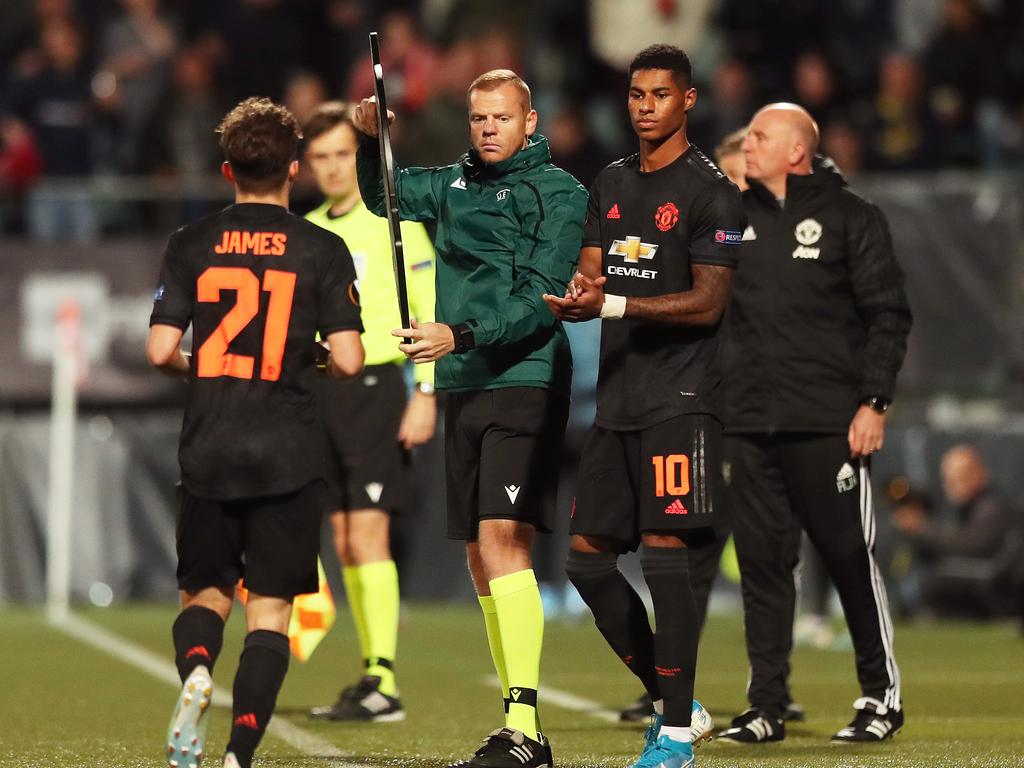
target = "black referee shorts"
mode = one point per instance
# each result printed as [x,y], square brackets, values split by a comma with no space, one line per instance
[502,457]
[271,542]
[365,465]
[666,478]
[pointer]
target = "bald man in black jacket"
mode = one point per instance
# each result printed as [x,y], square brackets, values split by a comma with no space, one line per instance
[816,334]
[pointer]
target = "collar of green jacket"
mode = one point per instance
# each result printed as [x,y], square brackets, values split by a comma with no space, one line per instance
[534,154]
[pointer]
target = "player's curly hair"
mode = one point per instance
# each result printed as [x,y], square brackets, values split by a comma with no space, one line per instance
[664,56]
[260,139]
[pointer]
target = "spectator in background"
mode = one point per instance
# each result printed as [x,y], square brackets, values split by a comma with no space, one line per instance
[303,94]
[340,40]
[408,61]
[906,572]
[856,33]
[766,36]
[815,88]
[181,138]
[960,73]
[57,106]
[572,146]
[438,133]
[730,159]
[901,136]
[843,142]
[20,164]
[262,41]
[970,561]
[730,105]
[137,50]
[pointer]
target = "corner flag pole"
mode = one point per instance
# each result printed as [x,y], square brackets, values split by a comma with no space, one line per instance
[388,171]
[61,472]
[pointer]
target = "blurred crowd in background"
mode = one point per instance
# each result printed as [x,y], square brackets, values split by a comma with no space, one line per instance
[136,88]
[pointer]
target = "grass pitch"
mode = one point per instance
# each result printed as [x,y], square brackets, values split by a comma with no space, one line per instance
[65,703]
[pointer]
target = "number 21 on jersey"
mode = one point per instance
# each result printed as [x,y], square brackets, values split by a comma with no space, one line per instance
[213,358]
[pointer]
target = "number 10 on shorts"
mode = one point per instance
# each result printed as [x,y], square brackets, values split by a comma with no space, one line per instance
[671,474]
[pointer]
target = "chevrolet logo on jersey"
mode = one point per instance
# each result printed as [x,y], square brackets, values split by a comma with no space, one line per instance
[632,250]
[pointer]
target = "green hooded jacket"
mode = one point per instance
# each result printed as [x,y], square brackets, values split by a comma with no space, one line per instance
[506,234]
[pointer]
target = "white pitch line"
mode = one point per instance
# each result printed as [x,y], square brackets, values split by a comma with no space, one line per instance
[159,668]
[569,701]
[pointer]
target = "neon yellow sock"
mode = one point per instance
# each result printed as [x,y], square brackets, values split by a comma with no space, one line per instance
[494,643]
[521,623]
[354,595]
[379,582]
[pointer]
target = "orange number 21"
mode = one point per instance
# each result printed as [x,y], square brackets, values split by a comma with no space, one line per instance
[213,358]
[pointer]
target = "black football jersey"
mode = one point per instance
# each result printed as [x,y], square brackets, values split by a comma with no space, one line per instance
[652,228]
[256,283]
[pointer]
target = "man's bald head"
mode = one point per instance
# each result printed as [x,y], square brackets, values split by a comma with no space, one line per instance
[964,474]
[797,119]
[781,139]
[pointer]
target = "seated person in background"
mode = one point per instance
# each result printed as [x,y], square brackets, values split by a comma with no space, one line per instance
[969,561]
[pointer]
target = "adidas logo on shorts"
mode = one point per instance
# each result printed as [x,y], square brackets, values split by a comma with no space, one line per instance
[676,508]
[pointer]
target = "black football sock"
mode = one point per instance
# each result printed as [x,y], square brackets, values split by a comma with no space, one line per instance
[261,672]
[198,635]
[618,611]
[667,575]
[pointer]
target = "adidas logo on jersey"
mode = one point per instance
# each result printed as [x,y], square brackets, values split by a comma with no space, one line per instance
[676,508]
[846,480]
[613,212]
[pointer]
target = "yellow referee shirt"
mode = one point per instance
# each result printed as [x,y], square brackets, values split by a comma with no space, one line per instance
[367,238]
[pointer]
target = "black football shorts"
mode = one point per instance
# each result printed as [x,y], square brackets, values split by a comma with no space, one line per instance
[662,479]
[502,457]
[365,465]
[271,542]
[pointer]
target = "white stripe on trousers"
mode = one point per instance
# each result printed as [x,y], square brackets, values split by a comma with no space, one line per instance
[867,521]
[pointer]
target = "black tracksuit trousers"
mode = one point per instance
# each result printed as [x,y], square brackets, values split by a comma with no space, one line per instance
[776,481]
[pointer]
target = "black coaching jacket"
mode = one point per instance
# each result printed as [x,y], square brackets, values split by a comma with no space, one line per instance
[819,318]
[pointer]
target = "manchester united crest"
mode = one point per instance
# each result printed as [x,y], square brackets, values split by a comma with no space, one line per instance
[666,217]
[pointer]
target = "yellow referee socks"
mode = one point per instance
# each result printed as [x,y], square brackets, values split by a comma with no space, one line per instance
[494,643]
[379,598]
[353,593]
[521,626]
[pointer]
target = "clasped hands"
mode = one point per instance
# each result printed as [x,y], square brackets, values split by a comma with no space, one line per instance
[584,297]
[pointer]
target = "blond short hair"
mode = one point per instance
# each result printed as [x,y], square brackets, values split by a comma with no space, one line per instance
[496,78]
[731,144]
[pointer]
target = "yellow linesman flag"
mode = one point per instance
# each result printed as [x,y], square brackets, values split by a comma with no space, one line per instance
[312,616]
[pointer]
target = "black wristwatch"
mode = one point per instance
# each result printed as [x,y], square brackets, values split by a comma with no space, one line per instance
[876,403]
[465,340]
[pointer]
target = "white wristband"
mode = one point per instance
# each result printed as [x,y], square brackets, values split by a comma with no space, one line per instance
[614,307]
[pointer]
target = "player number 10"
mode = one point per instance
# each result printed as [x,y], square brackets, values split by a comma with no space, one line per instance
[213,358]
[671,474]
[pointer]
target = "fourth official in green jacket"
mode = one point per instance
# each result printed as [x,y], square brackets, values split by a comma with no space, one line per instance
[509,225]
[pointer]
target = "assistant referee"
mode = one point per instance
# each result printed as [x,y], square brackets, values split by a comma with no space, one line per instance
[369,421]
